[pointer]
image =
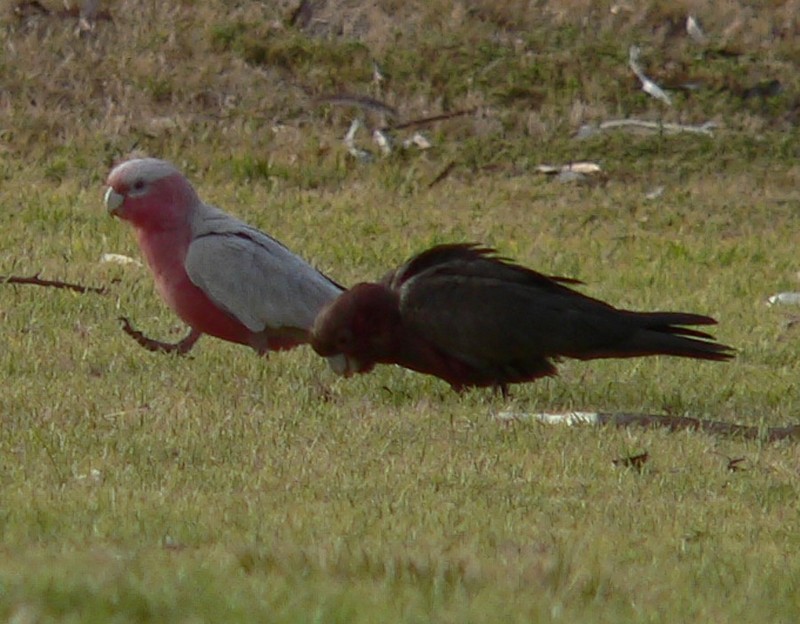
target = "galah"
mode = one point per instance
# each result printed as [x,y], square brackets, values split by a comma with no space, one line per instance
[220,275]
[463,314]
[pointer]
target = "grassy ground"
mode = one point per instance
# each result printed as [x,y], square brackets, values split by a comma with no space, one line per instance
[225,487]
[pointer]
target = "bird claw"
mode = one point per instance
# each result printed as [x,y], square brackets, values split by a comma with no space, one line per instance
[180,348]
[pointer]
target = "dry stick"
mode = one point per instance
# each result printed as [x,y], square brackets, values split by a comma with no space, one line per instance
[414,123]
[35,280]
[302,15]
[734,463]
[181,347]
[361,101]
[88,11]
[366,102]
[673,423]
[636,462]
[442,174]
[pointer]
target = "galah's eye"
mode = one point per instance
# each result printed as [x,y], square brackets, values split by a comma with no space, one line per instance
[138,185]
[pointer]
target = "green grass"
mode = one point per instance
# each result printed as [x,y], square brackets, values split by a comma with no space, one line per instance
[226,487]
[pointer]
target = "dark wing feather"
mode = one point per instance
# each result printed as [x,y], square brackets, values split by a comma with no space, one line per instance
[489,321]
[509,321]
[473,259]
[490,312]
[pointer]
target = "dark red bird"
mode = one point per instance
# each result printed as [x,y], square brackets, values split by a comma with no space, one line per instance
[463,314]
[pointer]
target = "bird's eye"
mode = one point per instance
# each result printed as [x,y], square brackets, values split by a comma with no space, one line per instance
[138,185]
[344,340]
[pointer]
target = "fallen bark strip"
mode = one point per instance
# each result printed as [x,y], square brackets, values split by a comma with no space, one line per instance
[706,128]
[35,280]
[588,130]
[673,423]
[182,347]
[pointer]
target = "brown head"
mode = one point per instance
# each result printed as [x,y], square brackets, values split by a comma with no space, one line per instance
[363,324]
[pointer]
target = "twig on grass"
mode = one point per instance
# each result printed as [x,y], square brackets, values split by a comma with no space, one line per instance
[442,174]
[734,463]
[382,134]
[424,121]
[636,462]
[35,280]
[302,14]
[360,101]
[87,13]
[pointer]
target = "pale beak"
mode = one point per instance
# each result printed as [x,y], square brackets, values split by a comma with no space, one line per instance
[113,200]
[342,365]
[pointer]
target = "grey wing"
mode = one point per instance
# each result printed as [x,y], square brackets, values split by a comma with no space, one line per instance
[258,280]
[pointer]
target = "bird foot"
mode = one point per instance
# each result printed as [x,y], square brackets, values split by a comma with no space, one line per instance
[181,348]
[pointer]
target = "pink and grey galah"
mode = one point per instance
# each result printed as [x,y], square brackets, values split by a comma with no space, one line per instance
[221,276]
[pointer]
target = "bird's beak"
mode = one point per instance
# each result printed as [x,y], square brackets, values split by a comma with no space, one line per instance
[342,365]
[113,201]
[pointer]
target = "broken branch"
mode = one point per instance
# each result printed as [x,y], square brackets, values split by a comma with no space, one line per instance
[415,123]
[35,280]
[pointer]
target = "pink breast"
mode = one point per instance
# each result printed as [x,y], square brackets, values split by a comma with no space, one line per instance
[166,256]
